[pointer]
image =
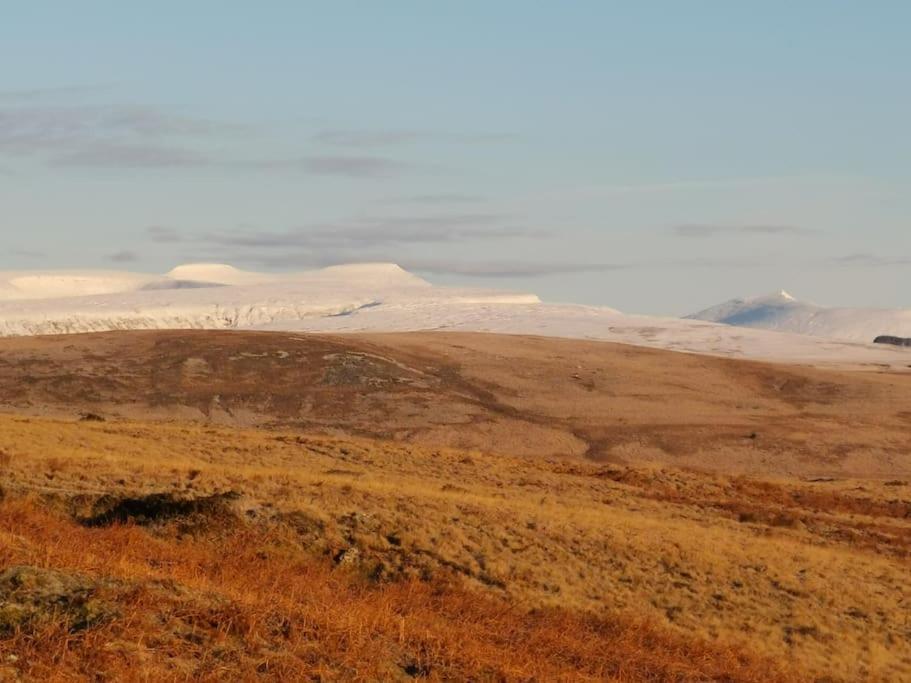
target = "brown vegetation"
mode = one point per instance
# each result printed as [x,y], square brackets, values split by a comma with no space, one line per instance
[512,395]
[249,604]
[700,558]
[310,545]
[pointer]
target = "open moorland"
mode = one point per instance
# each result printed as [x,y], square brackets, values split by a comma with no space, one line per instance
[217,505]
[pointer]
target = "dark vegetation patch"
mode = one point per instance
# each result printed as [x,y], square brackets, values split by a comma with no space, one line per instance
[161,508]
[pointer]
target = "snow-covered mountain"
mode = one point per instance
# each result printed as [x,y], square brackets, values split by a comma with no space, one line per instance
[783,313]
[209,296]
[375,297]
[17,285]
[58,284]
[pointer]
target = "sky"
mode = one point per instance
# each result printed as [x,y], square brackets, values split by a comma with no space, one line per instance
[653,156]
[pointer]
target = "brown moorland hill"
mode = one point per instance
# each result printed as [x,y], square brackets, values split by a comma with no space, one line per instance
[512,395]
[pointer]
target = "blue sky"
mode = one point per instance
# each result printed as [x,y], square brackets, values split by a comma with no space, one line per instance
[653,156]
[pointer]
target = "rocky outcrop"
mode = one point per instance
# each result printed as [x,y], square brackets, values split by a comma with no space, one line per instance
[895,341]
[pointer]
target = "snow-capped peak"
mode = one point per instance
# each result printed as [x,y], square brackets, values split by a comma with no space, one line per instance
[783,313]
[778,297]
[218,273]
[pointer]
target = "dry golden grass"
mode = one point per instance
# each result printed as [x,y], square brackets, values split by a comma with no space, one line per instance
[502,567]
[249,605]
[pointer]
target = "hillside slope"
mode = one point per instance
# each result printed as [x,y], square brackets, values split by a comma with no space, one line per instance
[174,552]
[783,313]
[212,505]
[515,395]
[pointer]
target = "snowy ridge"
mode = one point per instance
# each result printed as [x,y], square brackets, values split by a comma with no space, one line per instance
[205,296]
[604,324]
[784,313]
[18,285]
[384,298]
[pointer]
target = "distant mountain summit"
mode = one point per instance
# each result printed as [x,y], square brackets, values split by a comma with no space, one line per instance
[782,312]
[761,311]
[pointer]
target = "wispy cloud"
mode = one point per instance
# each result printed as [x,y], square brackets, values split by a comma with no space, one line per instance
[134,137]
[412,241]
[867,260]
[52,92]
[103,154]
[378,232]
[435,199]
[163,235]
[105,135]
[146,137]
[521,268]
[125,256]
[385,138]
[37,128]
[712,230]
[153,122]
[506,269]
[701,262]
[108,155]
[347,166]
[587,192]
[26,253]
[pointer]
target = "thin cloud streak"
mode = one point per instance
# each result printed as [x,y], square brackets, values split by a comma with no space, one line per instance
[31,130]
[150,156]
[671,186]
[104,155]
[376,232]
[507,269]
[867,260]
[346,166]
[435,199]
[26,253]
[31,94]
[385,138]
[134,137]
[147,137]
[698,230]
[125,256]
[163,235]
[116,136]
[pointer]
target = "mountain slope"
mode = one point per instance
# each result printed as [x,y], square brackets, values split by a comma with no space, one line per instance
[783,313]
[526,396]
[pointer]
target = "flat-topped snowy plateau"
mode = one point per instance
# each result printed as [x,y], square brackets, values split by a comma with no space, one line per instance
[783,313]
[378,297]
[210,296]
